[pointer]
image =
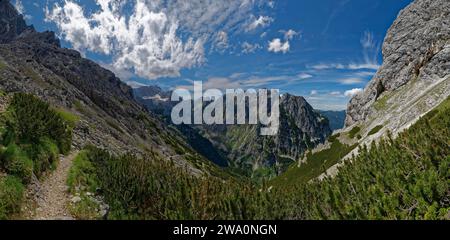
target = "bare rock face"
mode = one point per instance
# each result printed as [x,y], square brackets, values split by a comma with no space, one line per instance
[11,23]
[416,48]
[298,114]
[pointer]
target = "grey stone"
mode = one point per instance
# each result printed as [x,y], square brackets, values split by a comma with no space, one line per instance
[416,48]
[76,199]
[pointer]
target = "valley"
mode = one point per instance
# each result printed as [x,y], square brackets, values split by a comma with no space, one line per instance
[76,142]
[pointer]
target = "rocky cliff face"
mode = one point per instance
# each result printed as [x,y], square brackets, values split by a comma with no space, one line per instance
[413,80]
[416,48]
[110,117]
[297,113]
[11,23]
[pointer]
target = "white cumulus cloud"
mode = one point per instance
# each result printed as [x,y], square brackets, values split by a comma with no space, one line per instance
[353,92]
[21,9]
[19,6]
[276,46]
[151,38]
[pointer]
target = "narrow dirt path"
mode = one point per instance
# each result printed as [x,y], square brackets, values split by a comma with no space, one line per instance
[50,196]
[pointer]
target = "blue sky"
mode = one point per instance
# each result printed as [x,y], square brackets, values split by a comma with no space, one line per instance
[325,50]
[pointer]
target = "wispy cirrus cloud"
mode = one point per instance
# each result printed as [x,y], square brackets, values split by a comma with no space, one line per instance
[335,93]
[351,81]
[304,76]
[248,80]
[326,66]
[343,66]
[331,100]
[250,48]
[259,22]
[370,51]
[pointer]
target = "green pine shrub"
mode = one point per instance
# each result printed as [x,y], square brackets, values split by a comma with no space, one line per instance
[44,154]
[355,130]
[17,163]
[11,196]
[334,137]
[375,130]
[32,137]
[33,119]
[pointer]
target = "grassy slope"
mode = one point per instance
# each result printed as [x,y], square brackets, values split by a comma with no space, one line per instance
[315,165]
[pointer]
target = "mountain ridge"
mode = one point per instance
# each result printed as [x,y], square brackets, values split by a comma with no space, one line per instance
[301,128]
[110,117]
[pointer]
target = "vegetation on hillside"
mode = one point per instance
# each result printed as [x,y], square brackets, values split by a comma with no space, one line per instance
[375,130]
[355,130]
[402,178]
[315,165]
[32,137]
[11,194]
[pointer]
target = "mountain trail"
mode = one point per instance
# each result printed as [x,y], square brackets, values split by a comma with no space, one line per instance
[50,197]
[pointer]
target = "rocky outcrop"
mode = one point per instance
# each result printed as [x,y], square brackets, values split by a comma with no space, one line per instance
[11,23]
[297,113]
[416,48]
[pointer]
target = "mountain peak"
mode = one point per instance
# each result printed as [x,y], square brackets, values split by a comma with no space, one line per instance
[12,22]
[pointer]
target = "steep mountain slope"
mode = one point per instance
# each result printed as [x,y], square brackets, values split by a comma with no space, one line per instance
[413,80]
[415,73]
[110,118]
[414,77]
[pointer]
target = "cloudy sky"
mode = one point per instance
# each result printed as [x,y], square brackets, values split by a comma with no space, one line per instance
[325,50]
